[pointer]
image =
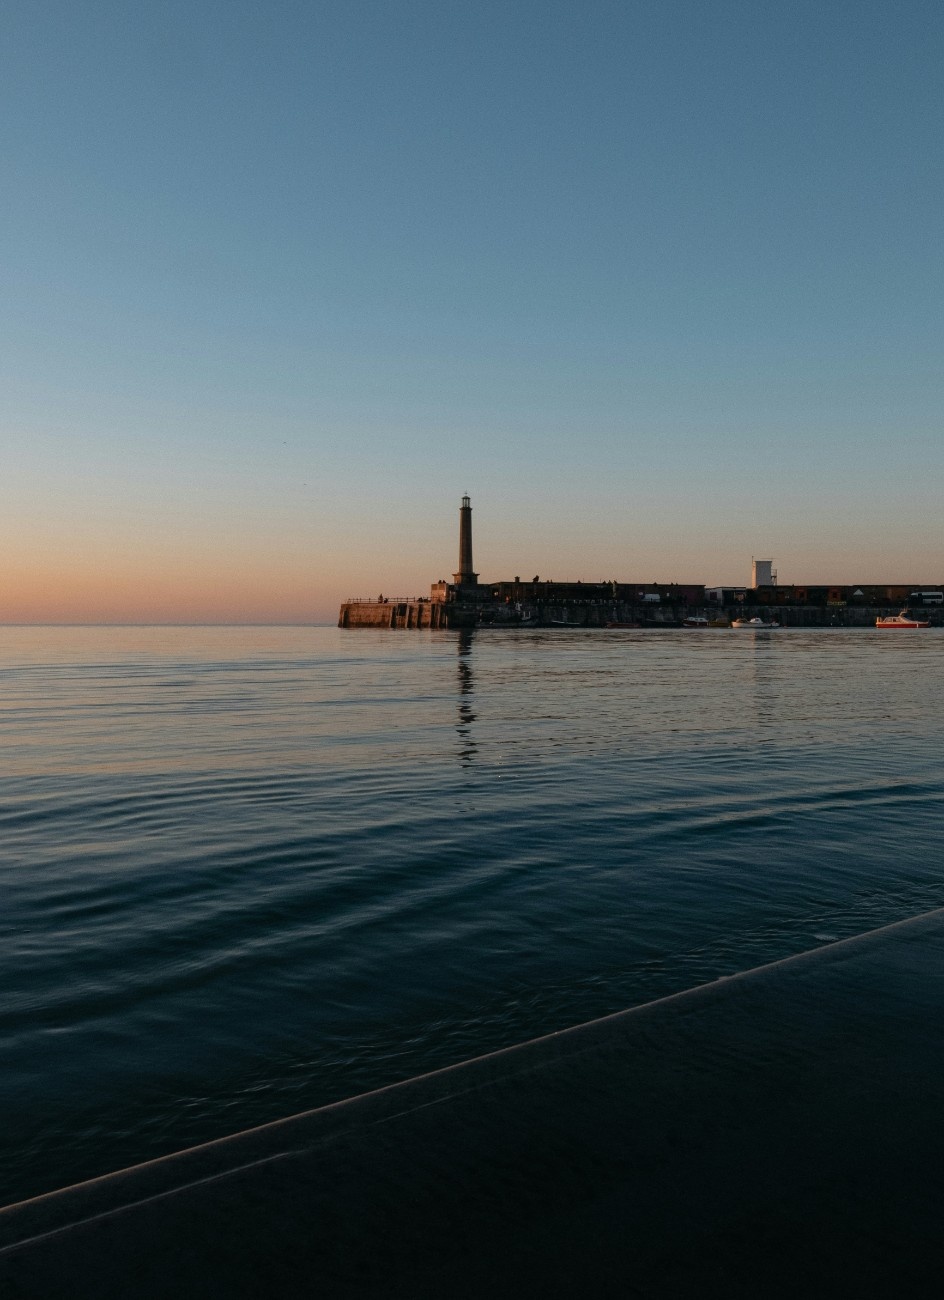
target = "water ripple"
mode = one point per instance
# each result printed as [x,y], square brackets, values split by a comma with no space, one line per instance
[251,870]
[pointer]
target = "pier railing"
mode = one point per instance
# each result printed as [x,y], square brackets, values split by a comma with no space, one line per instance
[387,600]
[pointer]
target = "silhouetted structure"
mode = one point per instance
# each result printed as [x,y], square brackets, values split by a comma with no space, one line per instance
[465,577]
[465,602]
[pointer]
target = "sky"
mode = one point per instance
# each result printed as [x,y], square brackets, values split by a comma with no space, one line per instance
[658,284]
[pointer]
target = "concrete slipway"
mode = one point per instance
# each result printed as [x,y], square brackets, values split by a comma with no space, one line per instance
[780,1133]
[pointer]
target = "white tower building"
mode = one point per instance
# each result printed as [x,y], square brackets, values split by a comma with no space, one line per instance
[762,573]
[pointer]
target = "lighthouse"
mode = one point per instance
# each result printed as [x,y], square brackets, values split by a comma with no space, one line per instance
[465,577]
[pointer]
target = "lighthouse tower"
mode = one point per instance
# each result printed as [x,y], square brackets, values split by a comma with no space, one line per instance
[465,577]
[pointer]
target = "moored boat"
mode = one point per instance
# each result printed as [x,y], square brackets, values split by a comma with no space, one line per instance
[903,619]
[694,620]
[757,624]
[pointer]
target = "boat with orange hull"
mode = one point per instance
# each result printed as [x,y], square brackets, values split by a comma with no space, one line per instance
[904,619]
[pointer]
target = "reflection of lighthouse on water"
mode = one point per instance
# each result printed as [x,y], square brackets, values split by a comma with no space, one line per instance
[467,714]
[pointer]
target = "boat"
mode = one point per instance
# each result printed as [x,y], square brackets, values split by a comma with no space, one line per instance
[694,620]
[758,624]
[904,619]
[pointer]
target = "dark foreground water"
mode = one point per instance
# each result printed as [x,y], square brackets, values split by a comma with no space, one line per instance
[246,871]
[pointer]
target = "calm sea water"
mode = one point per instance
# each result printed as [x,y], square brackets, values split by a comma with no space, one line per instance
[246,871]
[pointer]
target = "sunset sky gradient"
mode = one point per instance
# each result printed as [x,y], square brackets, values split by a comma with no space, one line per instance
[658,284]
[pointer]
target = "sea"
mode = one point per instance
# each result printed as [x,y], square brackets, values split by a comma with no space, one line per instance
[247,871]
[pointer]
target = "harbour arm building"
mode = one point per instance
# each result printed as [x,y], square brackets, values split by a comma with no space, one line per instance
[516,602]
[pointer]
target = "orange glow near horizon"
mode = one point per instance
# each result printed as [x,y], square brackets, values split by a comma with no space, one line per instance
[299,570]
[125,592]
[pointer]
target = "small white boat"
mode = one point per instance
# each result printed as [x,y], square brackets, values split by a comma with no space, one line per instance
[903,619]
[757,624]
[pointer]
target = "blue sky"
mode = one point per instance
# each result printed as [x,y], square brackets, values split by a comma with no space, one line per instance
[658,284]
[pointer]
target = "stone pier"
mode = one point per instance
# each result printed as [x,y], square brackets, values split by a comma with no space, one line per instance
[403,613]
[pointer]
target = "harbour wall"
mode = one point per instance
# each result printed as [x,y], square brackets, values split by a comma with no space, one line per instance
[408,614]
[670,615]
[413,614]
